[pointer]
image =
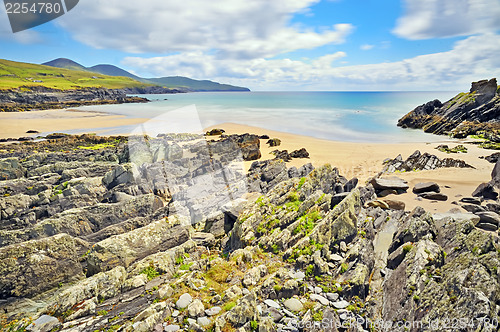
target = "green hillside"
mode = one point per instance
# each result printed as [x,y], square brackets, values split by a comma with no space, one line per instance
[15,74]
[171,82]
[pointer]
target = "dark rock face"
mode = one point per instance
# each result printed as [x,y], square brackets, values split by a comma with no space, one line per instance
[419,161]
[465,114]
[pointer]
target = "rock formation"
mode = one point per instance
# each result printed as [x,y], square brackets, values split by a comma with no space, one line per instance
[104,234]
[477,111]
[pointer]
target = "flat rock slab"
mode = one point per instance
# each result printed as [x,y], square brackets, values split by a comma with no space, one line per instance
[389,183]
[489,218]
[424,187]
[434,196]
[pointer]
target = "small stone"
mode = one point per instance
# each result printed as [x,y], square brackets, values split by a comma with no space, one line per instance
[332,296]
[245,291]
[203,321]
[423,187]
[272,304]
[172,328]
[184,300]
[340,304]
[293,305]
[318,290]
[319,298]
[299,275]
[434,196]
[275,314]
[213,311]
[191,321]
[165,291]
[289,313]
[196,308]
[175,313]
[336,258]
[343,246]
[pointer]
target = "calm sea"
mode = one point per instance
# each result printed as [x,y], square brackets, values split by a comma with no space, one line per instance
[342,116]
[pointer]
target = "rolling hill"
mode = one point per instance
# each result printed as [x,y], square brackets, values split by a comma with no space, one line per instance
[172,82]
[16,74]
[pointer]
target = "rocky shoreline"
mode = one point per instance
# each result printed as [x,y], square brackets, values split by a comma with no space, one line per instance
[41,98]
[170,233]
[474,113]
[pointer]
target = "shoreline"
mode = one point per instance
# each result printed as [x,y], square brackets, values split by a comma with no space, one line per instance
[353,159]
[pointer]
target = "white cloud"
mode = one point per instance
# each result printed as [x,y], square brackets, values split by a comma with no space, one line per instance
[23,37]
[425,19]
[471,59]
[227,28]
[366,47]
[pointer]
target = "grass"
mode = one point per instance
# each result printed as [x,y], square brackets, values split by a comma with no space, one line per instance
[230,305]
[150,272]
[19,74]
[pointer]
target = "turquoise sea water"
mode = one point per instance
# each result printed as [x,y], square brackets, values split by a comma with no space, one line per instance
[342,116]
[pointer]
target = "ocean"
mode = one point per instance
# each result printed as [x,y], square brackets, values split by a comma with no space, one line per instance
[340,116]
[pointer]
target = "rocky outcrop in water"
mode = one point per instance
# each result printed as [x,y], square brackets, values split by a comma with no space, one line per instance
[477,111]
[108,234]
[40,98]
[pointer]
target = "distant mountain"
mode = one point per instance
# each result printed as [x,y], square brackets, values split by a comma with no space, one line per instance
[171,82]
[66,64]
[195,85]
[111,70]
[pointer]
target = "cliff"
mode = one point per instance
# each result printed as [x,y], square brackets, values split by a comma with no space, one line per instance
[466,114]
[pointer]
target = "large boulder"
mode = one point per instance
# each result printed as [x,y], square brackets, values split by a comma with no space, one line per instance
[34,266]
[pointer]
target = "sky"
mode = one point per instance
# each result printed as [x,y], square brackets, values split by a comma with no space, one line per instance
[278,45]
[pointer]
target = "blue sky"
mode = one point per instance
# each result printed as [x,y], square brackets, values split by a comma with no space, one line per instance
[279,44]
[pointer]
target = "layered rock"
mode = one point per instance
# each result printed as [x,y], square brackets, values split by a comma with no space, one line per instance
[465,114]
[38,98]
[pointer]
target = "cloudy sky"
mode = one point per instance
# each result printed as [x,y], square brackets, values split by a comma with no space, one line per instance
[278,44]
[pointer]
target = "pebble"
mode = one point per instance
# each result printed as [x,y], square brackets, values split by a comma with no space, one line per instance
[340,304]
[213,311]
[319,298]
[183,301]
[246,291]
[272,304]
[335,257]
[191,321]
[175,313]
[203,321]
[171,327]
[299,275]
[293,305]
[332,296]
[318,290]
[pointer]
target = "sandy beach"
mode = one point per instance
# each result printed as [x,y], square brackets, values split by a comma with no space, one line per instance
[361,160]
[16,124]
[364,160]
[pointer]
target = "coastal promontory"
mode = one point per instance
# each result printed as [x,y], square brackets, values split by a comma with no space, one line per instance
[468,113]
